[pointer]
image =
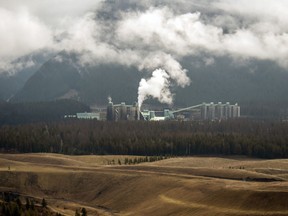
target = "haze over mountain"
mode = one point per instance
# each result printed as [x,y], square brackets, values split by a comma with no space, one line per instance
[13,79]
[64,79]
[180,52]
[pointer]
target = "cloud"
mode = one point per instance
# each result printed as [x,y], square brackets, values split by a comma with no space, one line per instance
[29,26]
[188,34]
[152,35]
[235,29]
[20,34]
[258,10]
[52,12]
[160,28]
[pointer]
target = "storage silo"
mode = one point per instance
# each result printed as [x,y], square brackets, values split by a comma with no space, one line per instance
[204,111]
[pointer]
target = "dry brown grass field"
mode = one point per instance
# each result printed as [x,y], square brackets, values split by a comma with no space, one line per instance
[177,186]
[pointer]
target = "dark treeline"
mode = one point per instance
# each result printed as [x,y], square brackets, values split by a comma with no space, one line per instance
[11,205]
[263,139]
[27,112]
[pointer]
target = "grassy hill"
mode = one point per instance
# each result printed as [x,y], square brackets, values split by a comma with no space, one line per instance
[176,186]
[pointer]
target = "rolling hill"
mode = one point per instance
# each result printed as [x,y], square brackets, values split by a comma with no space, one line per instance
[177,186]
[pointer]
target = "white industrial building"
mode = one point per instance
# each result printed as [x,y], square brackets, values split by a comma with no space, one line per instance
[205,111]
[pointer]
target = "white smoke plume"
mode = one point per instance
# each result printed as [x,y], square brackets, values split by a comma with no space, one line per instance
[170,65]
[157,87]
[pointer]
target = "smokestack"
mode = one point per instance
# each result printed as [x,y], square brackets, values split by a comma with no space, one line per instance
[138,111]
[110,110]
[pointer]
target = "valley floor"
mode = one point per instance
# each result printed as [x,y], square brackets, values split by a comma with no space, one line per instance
[176,186]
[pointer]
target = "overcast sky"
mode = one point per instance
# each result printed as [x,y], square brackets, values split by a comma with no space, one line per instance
[148,34]
[256,28]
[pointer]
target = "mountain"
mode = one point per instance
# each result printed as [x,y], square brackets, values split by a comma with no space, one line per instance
[27,112]
[61,78]
[13,80]
[251,83]
[226,80]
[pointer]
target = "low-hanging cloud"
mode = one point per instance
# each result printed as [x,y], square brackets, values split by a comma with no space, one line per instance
[187,34]
[20,34]
[154,37]
[31,26]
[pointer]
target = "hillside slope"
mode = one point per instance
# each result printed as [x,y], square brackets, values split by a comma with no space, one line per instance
[90,84]
[12,80]
[69,182]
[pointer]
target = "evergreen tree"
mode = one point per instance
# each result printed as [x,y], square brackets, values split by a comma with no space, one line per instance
[44,203]
[84,212]
[32,204]
[15,210]
[27,205]
[19,203]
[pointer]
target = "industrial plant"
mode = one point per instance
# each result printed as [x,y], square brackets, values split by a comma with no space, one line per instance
[204,111]
[118,112]
[201,112]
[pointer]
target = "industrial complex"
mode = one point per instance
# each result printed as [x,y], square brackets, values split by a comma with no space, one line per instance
[204,111]
[116,112]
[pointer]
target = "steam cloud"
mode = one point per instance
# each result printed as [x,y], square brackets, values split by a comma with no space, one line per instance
[151,36]
[157,87]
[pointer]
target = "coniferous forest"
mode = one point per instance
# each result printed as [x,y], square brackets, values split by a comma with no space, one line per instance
[253,138]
